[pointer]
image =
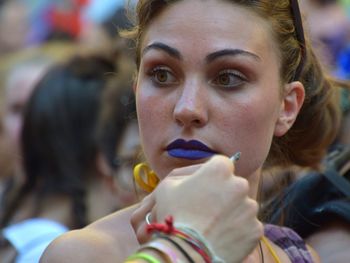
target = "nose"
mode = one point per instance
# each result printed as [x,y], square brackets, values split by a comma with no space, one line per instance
[190,109]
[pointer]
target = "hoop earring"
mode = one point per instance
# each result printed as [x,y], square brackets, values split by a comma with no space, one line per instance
[141,171]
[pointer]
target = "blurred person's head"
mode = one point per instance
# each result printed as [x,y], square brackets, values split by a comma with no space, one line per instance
[329,27]
[19,73]
[58,136]
[19,86]
[14,23]
[58,139]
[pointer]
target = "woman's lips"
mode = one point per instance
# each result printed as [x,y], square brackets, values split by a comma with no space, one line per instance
[191,150]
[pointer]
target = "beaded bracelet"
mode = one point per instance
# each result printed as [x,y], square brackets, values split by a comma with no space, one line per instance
[143,256]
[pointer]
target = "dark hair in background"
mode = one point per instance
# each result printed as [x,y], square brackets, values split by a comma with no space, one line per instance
[118,110]
[118,20]
[59,142]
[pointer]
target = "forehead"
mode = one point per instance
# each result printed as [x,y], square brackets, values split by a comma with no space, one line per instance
[214,24]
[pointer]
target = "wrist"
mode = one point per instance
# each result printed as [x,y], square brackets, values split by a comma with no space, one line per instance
[191,237]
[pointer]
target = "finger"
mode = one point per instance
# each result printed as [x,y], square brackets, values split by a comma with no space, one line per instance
[142,235]
[138,216]
[186,170]
[218,165]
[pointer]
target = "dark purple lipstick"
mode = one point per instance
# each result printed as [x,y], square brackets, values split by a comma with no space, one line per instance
[191,150]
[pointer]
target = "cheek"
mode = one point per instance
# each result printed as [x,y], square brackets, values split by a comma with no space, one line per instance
[252,129]
[260,120]
[153,118]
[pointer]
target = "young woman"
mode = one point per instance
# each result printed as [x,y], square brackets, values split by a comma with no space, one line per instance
[217,77]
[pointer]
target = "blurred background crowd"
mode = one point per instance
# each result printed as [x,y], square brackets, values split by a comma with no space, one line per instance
[68,129]
[69,135]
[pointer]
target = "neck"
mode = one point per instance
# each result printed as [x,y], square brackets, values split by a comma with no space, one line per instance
[254,184]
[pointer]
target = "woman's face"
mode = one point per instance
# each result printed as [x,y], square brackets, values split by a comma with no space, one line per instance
[208,83]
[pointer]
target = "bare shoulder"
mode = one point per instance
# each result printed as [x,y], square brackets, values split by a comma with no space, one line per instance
[110,239]
[81,246]
[338,249]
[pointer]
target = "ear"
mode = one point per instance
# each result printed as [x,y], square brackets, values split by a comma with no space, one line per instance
[105,171]
[102,165]
[293,99]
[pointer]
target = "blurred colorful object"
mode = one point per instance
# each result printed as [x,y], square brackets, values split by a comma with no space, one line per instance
[67,16]
[49,16]
[99,11]
[343,63]
[346,4]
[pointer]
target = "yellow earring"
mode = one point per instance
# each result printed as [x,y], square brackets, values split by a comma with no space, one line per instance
[143,170]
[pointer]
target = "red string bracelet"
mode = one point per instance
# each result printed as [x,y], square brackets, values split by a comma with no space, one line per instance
[169,229]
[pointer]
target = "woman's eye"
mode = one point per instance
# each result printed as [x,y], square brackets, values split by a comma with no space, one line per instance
[163,76]
[227,79]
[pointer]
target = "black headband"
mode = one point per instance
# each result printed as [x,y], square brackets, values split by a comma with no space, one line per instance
[299,31]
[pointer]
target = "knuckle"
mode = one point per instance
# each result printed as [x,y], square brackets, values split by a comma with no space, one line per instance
[174,172]
[133,219]
[256,230]
[241,185]
[147,199]
[141,236]
[259,229]
[164,184]
[253,206]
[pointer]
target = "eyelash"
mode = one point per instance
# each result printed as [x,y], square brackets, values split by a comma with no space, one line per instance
[161,69]
[231,74]
[171,79]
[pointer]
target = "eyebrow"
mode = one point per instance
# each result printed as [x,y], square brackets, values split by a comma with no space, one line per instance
[173,52]
[209,58]
[230,52]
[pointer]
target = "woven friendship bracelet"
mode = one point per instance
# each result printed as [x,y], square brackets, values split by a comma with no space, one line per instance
[189,235]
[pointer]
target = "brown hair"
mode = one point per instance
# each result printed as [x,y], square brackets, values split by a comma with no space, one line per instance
[318,122]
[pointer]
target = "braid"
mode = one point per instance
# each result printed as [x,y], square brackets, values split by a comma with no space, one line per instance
[11,205]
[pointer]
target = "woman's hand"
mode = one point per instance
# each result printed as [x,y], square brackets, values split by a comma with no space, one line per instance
[138,218]
[213,201]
